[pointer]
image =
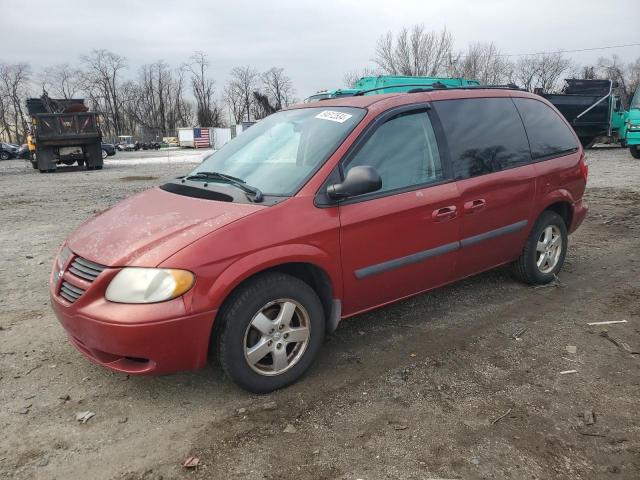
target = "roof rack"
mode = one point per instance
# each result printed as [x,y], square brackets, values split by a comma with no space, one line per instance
[429,87]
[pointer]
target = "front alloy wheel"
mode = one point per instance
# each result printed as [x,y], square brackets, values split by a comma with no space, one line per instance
[269,331]
[277,337]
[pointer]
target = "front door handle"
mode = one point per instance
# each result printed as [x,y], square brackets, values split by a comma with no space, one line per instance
[445,213]
[475,205]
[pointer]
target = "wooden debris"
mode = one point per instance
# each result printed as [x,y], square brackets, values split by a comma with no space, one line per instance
[501,417]
[610,322]
[191,463]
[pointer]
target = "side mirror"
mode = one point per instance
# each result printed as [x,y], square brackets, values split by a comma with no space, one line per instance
[359,180]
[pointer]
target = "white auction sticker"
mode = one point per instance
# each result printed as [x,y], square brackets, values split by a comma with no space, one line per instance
[339,117]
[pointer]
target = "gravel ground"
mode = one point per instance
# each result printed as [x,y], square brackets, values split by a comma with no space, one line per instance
[438,386]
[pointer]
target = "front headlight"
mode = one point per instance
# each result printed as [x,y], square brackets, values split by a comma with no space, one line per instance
[148,285]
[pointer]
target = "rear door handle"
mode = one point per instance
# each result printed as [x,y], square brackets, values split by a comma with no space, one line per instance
[475,205]
[445,213]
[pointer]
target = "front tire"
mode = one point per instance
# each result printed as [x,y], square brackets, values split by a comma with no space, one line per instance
[272,328]
[635,151]
[544,252]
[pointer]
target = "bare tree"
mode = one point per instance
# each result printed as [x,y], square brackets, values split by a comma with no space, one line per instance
[525,72]
[102,81]
[541,71]
[14,89]
[239,90]
[278,87]
[207,112]
[352,77]
[552,67]
[62,80]
[414,52]
[483,62]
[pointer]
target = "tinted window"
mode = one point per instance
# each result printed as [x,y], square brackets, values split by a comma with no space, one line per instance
[484,135]
[548,134]
[404,151]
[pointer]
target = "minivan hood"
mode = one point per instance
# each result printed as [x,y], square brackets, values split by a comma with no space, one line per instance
[149,227]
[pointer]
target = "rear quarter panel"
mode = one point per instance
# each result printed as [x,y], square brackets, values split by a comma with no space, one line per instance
[559,180]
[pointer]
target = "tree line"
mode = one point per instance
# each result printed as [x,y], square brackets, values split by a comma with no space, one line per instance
[159,98]
[415,51]
[154,103]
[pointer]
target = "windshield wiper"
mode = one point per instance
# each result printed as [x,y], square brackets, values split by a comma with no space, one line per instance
[235,181]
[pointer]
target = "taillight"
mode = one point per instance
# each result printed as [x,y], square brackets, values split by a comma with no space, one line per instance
[584,168]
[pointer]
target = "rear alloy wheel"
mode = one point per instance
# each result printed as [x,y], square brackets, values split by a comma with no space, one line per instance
[548,249]
[272,329]
[635,151]
[104,154]
[545,250]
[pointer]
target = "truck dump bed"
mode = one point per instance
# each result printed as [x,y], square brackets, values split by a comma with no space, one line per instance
[62,119]
[585,107]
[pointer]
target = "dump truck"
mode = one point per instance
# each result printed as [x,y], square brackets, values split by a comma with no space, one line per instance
[391,84]
[593,108]
[64,132]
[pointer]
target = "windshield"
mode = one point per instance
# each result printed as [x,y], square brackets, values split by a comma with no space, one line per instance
[635,102]
[278,154]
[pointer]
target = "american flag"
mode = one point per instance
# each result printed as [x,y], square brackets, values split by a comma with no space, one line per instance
[201,137]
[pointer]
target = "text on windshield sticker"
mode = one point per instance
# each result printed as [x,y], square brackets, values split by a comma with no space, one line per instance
[333,116]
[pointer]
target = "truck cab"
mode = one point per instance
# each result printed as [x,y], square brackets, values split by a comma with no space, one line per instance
[632,126]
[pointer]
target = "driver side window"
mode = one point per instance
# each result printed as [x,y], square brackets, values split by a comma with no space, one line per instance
[404,151]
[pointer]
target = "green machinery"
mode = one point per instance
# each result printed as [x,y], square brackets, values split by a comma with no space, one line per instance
[390,84]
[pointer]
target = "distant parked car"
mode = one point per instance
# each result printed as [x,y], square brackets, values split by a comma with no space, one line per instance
[8,151]
[23,152]
[108,150]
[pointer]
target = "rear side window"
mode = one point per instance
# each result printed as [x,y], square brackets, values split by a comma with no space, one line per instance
[404,151]
[548,134]
[484,135]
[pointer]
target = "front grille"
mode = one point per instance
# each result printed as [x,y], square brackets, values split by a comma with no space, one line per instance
[70,292]
[85,269]
[81,268]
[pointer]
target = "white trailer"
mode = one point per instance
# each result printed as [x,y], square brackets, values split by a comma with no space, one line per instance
[185,137]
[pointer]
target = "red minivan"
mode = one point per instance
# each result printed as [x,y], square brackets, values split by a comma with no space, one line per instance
[315,214]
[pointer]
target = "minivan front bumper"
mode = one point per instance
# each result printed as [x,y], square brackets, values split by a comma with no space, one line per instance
[145,347]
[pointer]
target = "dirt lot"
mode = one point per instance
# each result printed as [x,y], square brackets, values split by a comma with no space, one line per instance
[437,386]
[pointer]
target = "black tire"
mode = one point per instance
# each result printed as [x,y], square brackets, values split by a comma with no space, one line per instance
[237,315]
[525,268]
[588,142]
[635,151]
[4,156]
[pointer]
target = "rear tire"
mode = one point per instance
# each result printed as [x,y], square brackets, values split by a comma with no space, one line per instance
[635,151]
[104,154]
[259,321]
[588,142]
[540,260]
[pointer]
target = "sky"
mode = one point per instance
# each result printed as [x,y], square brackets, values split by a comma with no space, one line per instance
[316,42]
